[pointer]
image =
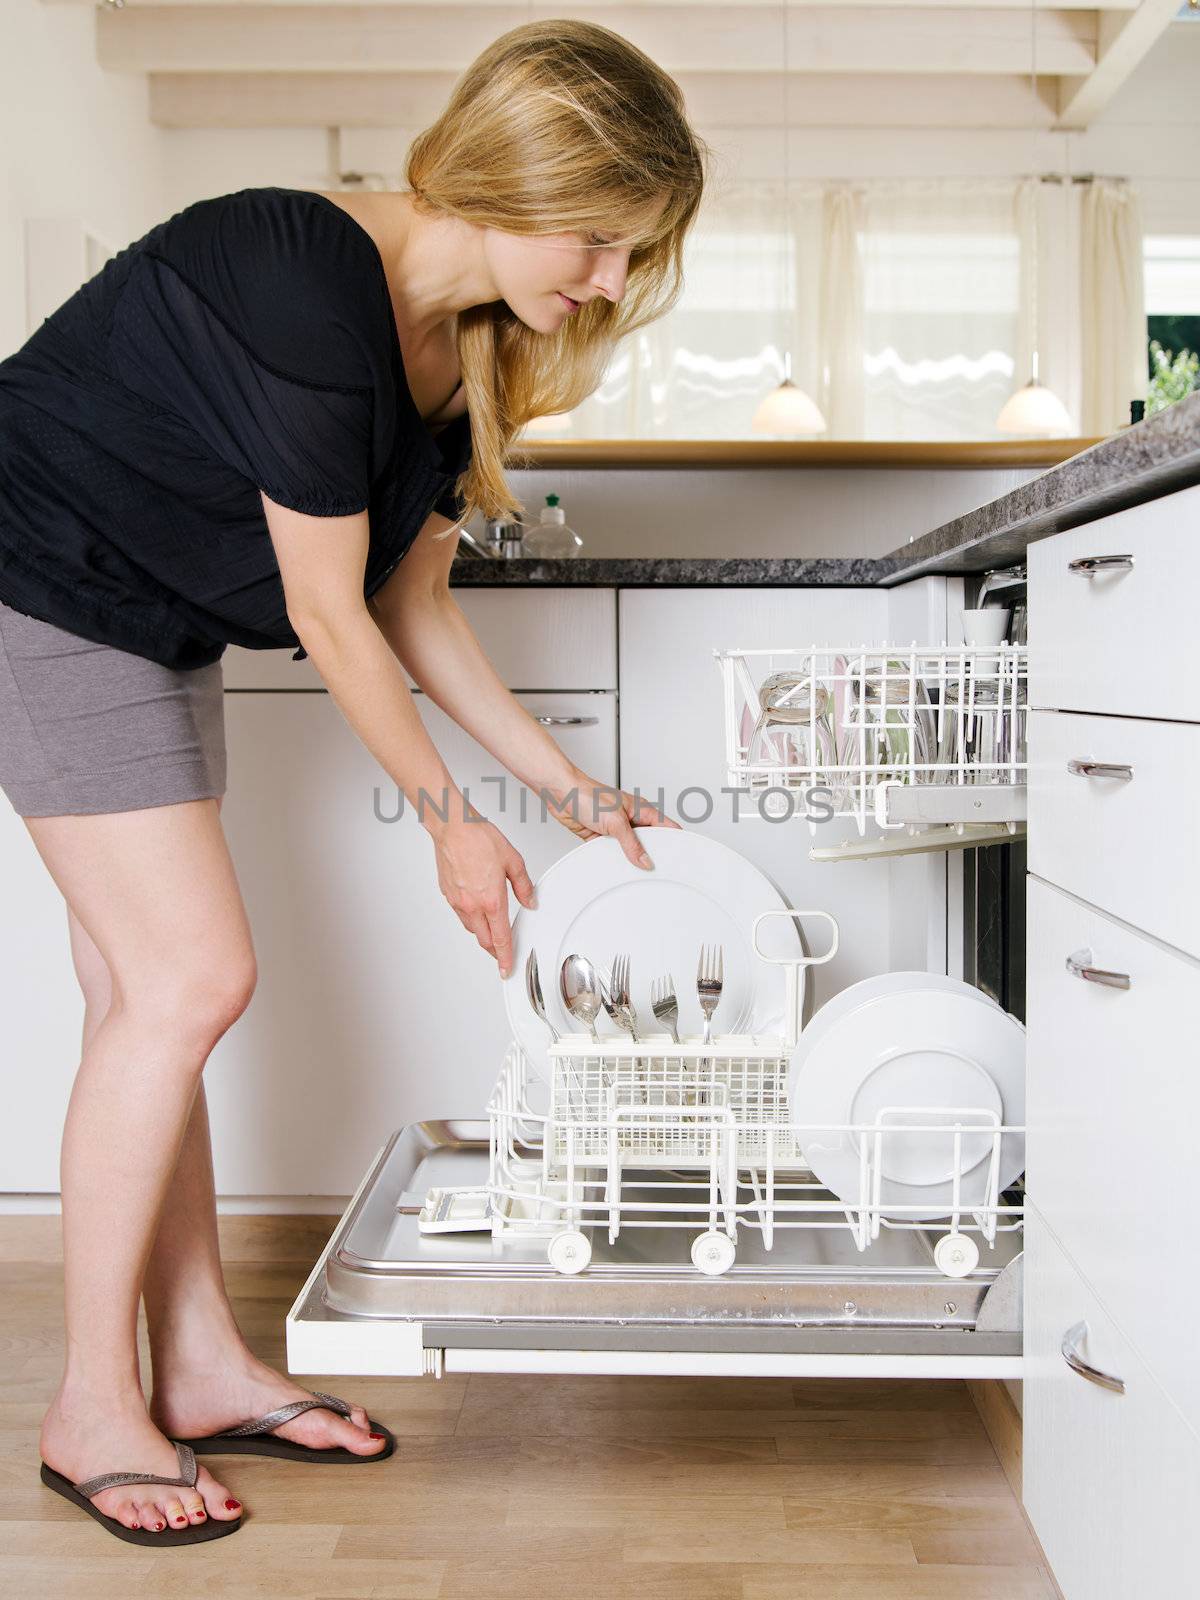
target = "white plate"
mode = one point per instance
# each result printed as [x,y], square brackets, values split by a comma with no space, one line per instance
[857,994]
[594,902]
[920,1048]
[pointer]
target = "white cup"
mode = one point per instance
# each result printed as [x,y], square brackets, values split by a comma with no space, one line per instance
[987,626]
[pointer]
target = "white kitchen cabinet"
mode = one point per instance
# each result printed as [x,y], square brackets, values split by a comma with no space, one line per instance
[1112,613]
[1109,1479]
[1112,1480]
[42,1007]
[1113,1104]
[535,638]
[1108,794]
[374,1005]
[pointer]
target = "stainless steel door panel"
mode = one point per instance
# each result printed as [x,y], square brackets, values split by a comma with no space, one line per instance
[387,1298]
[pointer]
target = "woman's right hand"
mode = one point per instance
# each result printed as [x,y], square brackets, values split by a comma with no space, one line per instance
[475,865]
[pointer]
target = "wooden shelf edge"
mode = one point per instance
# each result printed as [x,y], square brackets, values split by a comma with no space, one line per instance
[543,454]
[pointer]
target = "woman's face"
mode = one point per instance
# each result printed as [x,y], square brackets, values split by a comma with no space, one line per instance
[544,280]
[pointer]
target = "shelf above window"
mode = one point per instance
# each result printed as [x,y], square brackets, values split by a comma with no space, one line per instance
[542,454]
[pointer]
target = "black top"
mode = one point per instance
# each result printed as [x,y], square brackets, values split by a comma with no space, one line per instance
[246,343]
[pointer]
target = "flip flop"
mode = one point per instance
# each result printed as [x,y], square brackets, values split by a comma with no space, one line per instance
[79,1494]
[254,1438]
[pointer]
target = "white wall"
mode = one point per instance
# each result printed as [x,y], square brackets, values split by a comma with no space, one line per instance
[77,142]
[764,511]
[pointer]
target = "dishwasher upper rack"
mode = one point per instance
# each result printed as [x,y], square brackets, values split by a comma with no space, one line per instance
[548,1179]
[898,735]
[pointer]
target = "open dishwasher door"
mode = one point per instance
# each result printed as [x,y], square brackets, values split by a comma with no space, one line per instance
[386,1298]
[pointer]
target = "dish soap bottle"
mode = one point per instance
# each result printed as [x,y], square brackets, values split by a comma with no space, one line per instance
[552,540]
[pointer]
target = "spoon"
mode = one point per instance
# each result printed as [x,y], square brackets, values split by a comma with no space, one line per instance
[581,991]
[533,988]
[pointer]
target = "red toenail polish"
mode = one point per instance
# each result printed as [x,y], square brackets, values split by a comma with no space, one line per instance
[233,1505]
[180,1519]
[135,1524]
[159,1526]
[377,1436]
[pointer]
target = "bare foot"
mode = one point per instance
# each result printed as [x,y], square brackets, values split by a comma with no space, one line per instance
[83,1437]
[190,1402]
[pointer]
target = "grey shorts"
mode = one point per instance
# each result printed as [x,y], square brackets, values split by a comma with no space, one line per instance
[87,728]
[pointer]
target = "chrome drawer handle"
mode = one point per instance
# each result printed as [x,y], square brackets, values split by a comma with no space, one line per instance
[567,722]
[1080,965]
[1100,769]
[1071,1340]
[1087,566]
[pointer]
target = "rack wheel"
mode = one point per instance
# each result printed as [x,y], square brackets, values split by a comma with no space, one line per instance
[570,1251]
[956,1254]
[713,1253]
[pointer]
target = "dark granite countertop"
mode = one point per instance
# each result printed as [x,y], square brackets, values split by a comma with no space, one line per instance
[1154,458]
[637,572]
[1157,457]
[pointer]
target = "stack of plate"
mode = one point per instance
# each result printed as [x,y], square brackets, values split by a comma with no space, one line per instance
[926,1049]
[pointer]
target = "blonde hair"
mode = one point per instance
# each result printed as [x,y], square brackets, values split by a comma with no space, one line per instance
[558,126]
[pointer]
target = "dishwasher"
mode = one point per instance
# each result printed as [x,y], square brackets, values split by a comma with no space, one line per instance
[648,1205]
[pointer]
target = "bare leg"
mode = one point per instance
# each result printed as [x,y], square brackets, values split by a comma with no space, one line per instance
[205,1376]
[156,890]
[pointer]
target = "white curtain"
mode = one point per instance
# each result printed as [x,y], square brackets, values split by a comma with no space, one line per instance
[910,310]
[1112,304]
[839,334]
[942,313]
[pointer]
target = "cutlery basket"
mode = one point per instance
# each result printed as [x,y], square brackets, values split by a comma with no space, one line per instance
[654,1099]
[858,723]
[657,1101]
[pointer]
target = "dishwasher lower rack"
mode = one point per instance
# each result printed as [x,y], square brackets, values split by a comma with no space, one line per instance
[387,1299]
[701,1140]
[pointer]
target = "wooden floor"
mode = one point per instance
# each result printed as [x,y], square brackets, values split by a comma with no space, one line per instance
[532,1488]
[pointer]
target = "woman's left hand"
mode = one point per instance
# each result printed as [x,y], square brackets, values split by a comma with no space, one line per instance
[590,808]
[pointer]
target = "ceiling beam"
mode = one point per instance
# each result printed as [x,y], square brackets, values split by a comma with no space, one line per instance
[412,100]
[550,8]
[1123,41]
[724,38]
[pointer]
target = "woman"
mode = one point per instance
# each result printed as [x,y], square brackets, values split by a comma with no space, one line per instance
[261,424]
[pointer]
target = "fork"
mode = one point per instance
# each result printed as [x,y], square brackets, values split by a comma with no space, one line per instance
[619,1007]
[710,976]
[664,1005]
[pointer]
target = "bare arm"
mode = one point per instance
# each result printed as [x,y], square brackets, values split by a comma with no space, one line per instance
[427,631]
[321,561]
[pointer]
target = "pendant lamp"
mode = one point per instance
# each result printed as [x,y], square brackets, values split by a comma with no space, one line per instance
[787,410]
[1033,411]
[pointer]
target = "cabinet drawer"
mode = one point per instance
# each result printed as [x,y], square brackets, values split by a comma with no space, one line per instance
[538,638]
[1112,1111]
[1121,842]
[1110,641]
[1112,1481]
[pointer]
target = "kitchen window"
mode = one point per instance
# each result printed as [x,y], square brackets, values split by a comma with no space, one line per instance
[1172,267]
